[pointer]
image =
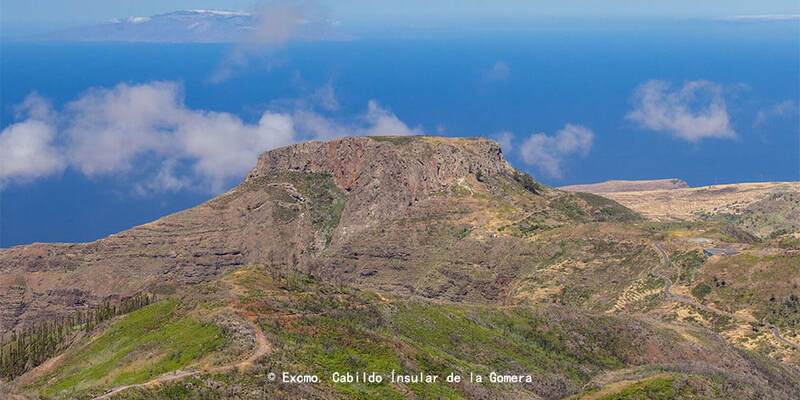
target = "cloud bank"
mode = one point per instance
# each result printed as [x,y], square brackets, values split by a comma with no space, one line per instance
[693,112]
[124,129]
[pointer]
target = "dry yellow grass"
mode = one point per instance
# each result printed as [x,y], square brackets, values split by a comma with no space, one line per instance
[686,203]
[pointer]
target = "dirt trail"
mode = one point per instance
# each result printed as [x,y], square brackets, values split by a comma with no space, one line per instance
[668,295]
[262,348]
[615,387]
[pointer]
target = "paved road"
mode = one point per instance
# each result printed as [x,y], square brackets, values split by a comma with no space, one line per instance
[777,333]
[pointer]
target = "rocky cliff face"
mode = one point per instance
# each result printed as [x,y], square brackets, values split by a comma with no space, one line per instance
[410,214]
[385,175]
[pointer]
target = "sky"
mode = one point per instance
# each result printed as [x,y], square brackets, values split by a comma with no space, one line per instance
[21,17]
[99,137]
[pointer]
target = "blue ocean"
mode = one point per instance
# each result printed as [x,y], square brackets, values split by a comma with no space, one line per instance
[443,84]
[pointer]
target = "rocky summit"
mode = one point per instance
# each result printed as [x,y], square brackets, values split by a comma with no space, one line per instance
[421,255]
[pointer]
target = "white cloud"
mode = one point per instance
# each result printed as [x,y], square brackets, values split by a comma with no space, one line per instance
[224,148]
[784,109]
[122,130]
[693,112]
[377,121]
[505,139]
[165,180]
[325,96]
[27,151]
[34,106]
[107,128]
[548,152]
[384,123]
[27,148]
[277,23]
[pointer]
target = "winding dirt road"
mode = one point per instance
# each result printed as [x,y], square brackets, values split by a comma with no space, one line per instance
[668,295]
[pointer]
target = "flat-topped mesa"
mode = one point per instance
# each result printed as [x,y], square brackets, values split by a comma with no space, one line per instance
[428,161]
[628,186]
[381,173]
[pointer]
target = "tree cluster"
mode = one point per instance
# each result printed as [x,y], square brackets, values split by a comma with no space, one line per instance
[27,348]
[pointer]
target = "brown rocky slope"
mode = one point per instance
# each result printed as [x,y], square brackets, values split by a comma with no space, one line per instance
[383,212]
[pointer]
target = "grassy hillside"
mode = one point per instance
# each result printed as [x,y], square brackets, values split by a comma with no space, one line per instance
[137,347]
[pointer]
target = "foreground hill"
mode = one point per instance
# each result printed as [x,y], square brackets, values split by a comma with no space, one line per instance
[225,337]
[413,254]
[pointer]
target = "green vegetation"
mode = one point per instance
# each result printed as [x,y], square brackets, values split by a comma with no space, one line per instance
[435,339]
[701,291]
[662,386]
[604,209]
[771,217]
[22,351]
[394,139]
[688,263]
[530,225]
[785,312]
[571,208]
[587,207]
[445,338]
[326,201]
[144,344]
[189,388]
[527,182]
[650,389]
[317,328]
[318,195]
[756,283]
